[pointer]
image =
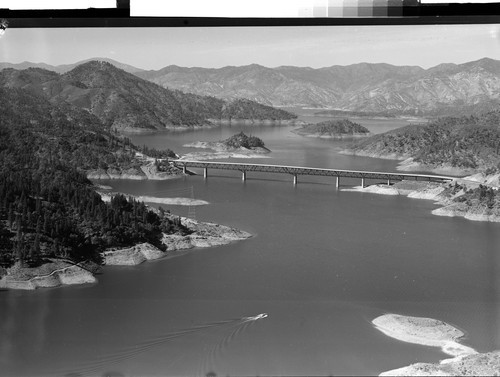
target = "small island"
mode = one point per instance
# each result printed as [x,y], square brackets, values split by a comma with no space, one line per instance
[333,129]
[236,146]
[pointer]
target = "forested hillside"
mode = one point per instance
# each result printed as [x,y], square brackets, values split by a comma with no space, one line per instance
[47,205]
[128,103]
[469,142]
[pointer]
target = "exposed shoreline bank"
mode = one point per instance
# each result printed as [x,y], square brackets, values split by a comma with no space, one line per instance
[408,164]
[436,333]
[56,274]
[177,201]
[146,171]
[49,275]
[204,235]
[442,195]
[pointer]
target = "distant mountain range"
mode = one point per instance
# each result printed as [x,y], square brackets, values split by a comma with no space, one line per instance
[447,89]
[128,103]
[63,68]
[410,90]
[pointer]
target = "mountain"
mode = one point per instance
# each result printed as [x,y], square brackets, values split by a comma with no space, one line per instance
[63,68]
[375,88]
[126,102]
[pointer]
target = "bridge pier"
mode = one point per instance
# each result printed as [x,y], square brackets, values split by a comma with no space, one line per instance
[337,182]
[184,169]
[388,181]
[295,179]
[244,176]
[363,182]
[205,173]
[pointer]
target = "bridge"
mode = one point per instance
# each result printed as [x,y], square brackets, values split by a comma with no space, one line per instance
[295,171]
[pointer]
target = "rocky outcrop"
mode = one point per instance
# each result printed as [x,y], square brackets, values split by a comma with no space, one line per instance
[481,364]
[469,212]
[132,256]
[203,235]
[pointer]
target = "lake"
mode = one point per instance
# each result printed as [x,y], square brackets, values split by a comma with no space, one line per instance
[322,264]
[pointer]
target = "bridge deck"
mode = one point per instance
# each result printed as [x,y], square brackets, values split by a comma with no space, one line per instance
[301,170]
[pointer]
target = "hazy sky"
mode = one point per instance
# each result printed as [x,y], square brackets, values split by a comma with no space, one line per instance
[154,48]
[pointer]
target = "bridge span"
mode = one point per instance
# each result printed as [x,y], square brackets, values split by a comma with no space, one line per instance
[295,171]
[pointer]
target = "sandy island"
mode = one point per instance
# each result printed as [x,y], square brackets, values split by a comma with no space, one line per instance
[435,333]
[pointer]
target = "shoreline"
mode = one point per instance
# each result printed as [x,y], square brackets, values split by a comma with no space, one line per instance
[436,192]
[408,164]
[204,235]
[177,201]
[60,273]
[435,333]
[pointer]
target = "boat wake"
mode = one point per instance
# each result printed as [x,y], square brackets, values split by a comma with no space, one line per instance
[230,328]
[215,351]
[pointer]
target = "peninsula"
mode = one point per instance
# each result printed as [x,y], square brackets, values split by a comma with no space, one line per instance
[333,129]
[458,146]
[55,229]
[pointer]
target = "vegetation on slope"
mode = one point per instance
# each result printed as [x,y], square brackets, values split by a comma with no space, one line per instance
[241,140]
[332,128]
[126,102]
[469,142]
[47,205]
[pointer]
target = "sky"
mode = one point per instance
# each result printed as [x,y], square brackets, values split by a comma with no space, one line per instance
[311,46]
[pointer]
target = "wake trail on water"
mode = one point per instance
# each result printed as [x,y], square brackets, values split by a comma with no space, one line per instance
[132,351]
[209,362]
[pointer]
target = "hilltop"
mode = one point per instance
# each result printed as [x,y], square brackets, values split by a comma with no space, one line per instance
[333,129]
[125,102]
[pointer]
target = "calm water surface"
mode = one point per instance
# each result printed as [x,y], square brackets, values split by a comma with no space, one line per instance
[322,264]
